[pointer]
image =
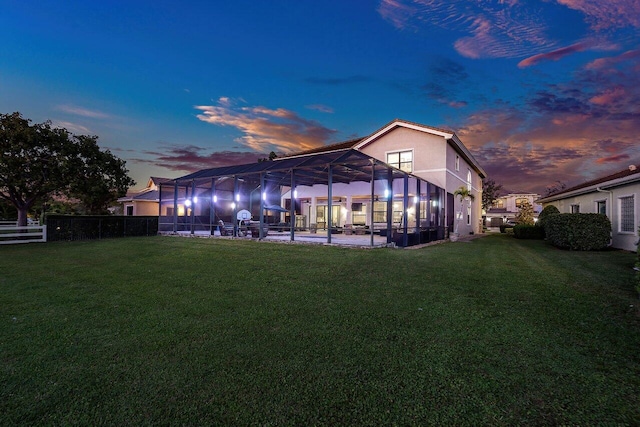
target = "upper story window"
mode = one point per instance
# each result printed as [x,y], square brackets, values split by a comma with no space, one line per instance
[469,179]
[402,160]
[499,204]
[457,162]
[626,214]
[521,201]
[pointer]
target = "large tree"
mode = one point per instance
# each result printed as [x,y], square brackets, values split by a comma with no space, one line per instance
[39,161]
[490,193]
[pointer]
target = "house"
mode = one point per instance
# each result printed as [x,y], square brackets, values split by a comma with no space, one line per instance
[614,195]
[506,207]
[145,201]
[400,178]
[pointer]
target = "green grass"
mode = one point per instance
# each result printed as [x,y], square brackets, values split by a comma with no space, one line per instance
[164,330]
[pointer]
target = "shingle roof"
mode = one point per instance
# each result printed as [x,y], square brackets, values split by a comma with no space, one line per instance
[631,170]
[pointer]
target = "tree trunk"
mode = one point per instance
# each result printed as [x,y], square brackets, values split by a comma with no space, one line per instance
[22,216]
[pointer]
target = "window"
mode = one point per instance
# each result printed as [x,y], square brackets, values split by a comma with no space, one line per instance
[469,179]
[499,204]
[601,207]
[575,208]
[358,214]
[626,214]
[129,211]
[402,160]
[457,162]
[379,211]
[468,215]
[521,201]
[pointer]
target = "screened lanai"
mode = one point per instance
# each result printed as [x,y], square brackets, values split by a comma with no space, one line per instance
[337,193]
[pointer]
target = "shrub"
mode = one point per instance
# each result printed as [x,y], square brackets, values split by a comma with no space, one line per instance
[505,227]
[525,231]
[546,212]
[638,267]
[525,214]
[578,232]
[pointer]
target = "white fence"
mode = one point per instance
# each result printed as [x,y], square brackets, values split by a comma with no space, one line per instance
[12,234]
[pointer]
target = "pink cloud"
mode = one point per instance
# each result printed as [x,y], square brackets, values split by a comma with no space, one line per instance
[607,14]
[609,96]
[553,55]
[265,129]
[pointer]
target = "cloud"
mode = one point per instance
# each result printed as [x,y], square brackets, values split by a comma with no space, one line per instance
[607,14]
[320,107]
[570,132]
[495,29]
[74,128]
[191,158]
[512,28]
[444,80]
[264,129]
[83,112]
[553,55]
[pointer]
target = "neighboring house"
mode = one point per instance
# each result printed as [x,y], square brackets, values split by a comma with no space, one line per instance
[506,207]
[614,195]
[145,201]
[402,176]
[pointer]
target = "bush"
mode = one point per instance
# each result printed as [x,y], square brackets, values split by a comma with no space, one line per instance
[525,231]
[638,267]
[578,232]
[505,227]
[546,212]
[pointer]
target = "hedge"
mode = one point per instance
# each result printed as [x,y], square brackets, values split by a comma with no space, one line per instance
[546,213]
[524,231]
[578,232]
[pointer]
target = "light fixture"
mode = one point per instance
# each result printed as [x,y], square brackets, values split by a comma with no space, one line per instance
[233,205]
[415,199]
[195,199]
[238,197]
[386,192]
[187,202]
[215,199]
[295,194]
[264,195]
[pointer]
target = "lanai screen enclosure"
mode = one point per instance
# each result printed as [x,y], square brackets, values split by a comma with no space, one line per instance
[402,206]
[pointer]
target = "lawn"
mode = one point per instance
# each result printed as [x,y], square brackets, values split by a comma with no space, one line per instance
[165,330]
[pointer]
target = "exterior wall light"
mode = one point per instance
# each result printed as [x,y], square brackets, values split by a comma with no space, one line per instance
[295,194]
[264,195]
[215,199]
[187,202]
[237,197]
[233,205]
[195,200]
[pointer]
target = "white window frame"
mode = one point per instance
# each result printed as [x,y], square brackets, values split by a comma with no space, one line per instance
[469,179]
[633,216]
[399,164]
[597,204]
[457,162]
[576,206]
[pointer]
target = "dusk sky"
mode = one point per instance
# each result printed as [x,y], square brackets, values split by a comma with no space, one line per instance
[539,91]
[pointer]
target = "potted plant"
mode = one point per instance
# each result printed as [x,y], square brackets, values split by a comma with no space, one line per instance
[464,194]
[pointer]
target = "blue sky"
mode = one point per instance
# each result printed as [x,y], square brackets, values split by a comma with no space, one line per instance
[539,91]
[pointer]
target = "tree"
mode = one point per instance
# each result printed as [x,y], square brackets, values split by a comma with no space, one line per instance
[39,161]
[525,214]
[490,193]
[464,194]
[101,177]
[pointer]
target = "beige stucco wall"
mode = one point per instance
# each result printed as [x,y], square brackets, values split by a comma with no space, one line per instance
[587,203]
[144,208]
[433,161]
